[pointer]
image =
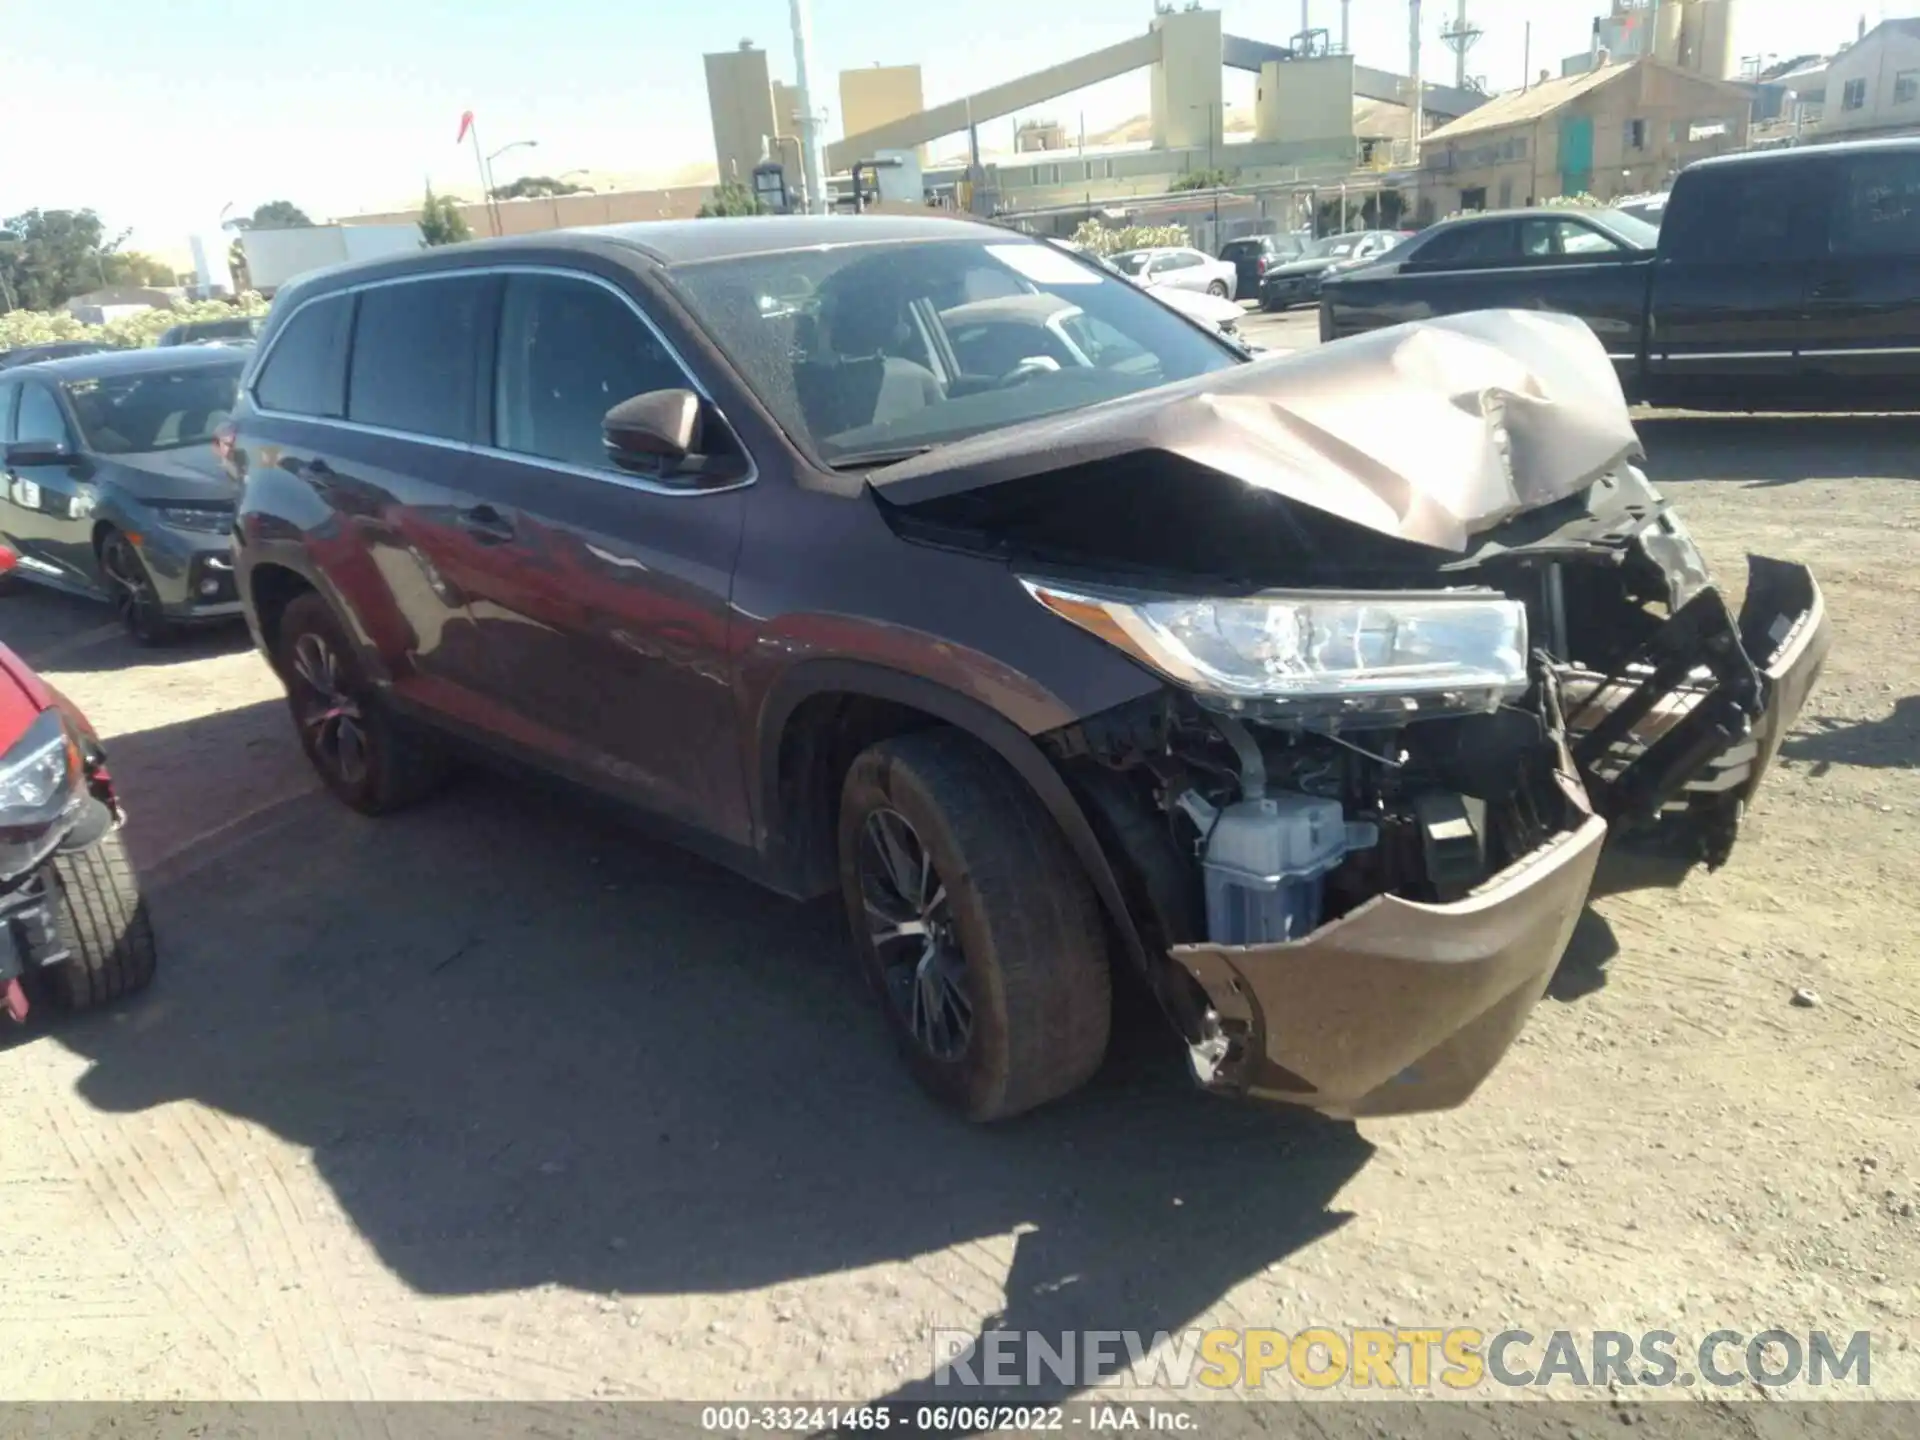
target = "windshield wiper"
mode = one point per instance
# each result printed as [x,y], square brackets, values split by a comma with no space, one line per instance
[867,459]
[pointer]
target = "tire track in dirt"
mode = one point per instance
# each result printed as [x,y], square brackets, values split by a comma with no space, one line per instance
[140,1232]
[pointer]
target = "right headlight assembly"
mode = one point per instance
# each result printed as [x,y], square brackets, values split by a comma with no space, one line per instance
[1350,657]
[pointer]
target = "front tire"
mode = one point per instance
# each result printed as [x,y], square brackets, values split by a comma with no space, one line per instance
[136,600]
[369,758]
[104,920]
[974,923]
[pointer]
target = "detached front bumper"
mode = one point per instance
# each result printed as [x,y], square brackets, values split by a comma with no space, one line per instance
[1399,1006]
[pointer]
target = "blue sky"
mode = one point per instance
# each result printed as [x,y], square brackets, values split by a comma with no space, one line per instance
[158,116]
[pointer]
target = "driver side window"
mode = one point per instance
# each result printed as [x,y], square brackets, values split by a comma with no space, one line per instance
[570,350]
[40,416]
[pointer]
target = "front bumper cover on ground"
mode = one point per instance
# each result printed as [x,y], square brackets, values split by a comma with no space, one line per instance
[1401,1006]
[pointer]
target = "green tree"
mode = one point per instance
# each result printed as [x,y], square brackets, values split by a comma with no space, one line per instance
[1203,180]
[535,187]
[441,221]
[52,256]
[732,199]
[274,215]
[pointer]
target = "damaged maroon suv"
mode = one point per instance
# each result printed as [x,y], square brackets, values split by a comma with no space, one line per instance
[922,561]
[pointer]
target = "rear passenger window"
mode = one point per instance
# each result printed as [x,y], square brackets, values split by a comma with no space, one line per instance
[570,350]
[306,369]
[1469,245]
[1753,213]
[416,355]
[1879,212]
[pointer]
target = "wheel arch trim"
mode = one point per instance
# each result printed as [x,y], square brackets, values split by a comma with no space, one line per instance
[810,679]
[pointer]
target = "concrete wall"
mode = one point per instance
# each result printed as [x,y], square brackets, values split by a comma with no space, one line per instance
[561,212]
[1305,100]
[1874,66]
[1186,88]
[740,99]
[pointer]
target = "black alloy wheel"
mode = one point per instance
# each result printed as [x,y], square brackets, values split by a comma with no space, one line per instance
[370,758]
[910,924]
[331,722]
[135,600]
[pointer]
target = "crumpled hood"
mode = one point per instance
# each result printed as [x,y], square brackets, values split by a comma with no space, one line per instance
[1431,432]
[192,475]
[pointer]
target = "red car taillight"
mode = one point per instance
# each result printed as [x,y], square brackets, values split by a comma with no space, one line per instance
[7,559]
[1260,266]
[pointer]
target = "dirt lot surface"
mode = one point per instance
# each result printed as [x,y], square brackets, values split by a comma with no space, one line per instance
[496,1100]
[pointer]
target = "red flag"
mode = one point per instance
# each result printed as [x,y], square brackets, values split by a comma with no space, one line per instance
[466,124]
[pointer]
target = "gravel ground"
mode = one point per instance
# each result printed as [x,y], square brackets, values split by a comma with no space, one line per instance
[496,1100]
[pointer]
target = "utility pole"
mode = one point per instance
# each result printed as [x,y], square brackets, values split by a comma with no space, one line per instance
[1419,101]
[1460,37]
[810,158]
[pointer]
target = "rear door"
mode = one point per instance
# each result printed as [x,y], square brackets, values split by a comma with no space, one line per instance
[10,515]
[1861,343]
[1736,248]
[602,595]
[1182,269]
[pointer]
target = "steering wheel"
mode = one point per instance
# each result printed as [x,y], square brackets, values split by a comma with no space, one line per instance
[1028,368]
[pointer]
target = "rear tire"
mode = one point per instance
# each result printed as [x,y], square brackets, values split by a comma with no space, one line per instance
[104,920]
[369,758]
[1013,907]
[1219,288]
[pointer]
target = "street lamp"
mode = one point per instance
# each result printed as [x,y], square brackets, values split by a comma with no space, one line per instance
[486,169]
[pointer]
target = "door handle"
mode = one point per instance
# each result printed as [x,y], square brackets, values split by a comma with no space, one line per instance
[486,525]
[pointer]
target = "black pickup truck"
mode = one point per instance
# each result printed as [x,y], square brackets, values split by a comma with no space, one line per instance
[1783,279]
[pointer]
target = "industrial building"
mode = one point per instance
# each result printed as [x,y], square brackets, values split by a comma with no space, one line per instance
[1618,129]
[1701,36]
[1304,123]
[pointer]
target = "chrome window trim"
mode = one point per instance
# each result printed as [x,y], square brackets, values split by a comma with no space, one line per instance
[612,477]
[1672,357]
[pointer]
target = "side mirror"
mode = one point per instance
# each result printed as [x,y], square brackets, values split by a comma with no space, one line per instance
[21,453]
[654,432]
[661,434]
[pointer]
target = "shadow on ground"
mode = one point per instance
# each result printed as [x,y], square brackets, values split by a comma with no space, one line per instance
[1772,450]
[1583,969]
[527,1046]
[52,630]
[1892,743]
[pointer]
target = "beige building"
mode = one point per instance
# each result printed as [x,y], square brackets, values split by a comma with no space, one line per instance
[1873,86]
[1617,130]
[880,95]
[740,100]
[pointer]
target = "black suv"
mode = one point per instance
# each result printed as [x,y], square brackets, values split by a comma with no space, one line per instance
[918,560]
[1254,255]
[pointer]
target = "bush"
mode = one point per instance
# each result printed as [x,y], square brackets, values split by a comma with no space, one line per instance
[1111,240]
[131,332]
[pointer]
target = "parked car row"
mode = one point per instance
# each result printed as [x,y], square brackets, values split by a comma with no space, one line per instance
[1781,279]
[924,563]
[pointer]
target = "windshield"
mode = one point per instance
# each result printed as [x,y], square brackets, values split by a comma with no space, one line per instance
[1635,231]
[1334,247]
[894,349]
[1131,262]
[154,410]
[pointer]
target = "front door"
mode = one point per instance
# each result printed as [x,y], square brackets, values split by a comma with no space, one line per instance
[1861,344]
[49,507]
[602,596]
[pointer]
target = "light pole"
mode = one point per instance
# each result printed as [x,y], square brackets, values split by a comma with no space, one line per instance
[486,168]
